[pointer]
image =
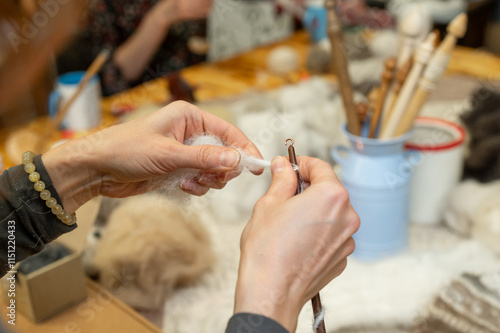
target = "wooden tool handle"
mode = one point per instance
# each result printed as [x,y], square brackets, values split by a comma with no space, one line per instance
[316,301]
[411,27]
[317,309]
[412,112]
[394,93]
[422,57]
[403,75]
[387,78]
[340,66]
[431,77]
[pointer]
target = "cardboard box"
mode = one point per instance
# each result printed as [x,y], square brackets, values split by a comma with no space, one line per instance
[48,290]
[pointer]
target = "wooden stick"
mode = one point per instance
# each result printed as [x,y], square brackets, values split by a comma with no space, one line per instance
[434,72]
[422,57]
[411,29]
[393,94]
[362,109]
[387,76]
[94,68]
[340,67]
[401,78]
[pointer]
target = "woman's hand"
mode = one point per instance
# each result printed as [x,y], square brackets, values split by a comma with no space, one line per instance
[294,245]
[166,12]
[128,159]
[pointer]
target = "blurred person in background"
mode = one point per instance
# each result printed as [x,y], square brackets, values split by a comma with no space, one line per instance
[148,39]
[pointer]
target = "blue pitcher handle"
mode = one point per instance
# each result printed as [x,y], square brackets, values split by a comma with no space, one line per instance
[54,99]
[336,154]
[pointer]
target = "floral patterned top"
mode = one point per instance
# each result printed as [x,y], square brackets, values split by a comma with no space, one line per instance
[112,22]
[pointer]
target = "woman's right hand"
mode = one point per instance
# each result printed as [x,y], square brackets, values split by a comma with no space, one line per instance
[294,245]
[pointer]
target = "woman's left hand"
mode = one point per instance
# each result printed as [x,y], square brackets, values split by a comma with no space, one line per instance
[128,159]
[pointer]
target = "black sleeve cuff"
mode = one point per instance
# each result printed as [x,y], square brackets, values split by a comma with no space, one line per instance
[252,323]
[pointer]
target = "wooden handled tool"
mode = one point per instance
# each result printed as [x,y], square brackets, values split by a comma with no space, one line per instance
[393,94]
[387,77]
[422,57]
[433,73]
[411,28]
[316,300]
[341,69]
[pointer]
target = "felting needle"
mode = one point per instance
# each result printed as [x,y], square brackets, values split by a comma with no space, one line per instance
[316,300]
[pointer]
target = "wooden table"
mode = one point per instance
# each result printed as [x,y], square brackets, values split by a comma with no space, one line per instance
[99,313]
[240,74]
[248,72]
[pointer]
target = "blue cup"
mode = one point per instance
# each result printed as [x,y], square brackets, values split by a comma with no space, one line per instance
[316,22]
[377,175]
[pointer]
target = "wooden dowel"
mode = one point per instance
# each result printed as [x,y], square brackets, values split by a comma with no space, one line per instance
[396,89]
[362,109]
[341,68]
[387,78]
[422,57]
[434,72]
[410,30]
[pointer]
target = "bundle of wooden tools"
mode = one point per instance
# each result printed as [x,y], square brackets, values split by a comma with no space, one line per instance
[406,82]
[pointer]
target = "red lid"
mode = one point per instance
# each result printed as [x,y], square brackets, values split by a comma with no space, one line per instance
[458,131]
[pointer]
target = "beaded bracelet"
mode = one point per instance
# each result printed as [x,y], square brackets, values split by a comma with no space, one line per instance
[29,167]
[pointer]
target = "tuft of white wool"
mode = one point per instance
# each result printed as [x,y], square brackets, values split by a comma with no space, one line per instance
[171,184]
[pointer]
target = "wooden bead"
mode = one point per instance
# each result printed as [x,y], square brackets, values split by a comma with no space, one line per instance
[34,177]
[28,157]
[51,202]
[45,195]
[57,209]
[39,186]
[29,167]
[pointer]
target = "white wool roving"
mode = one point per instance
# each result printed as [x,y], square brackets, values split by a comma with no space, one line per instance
[248,162]
[171,184]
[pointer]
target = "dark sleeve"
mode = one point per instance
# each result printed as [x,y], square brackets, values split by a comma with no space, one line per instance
[25,221]
[103,32]
[252,323]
